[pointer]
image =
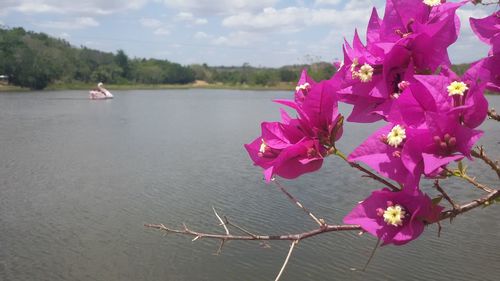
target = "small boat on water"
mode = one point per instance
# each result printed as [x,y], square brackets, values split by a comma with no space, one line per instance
[100,93]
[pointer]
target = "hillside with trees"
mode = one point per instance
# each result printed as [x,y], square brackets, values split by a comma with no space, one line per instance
[36,60]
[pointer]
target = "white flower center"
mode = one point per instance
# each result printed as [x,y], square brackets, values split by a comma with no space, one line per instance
[394,215]
[396,136]
[354,65]
[365,73]
[302,87]
[457,88]
[432,3]
[263,147]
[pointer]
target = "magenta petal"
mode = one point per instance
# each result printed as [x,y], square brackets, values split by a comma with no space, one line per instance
[416,204]
[408,233]
[487,27]
[380,156]
[433,162]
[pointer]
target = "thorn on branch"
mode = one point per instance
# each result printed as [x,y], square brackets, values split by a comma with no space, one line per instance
[445,195]
[492,114]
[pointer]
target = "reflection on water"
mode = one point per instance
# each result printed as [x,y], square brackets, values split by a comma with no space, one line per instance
[79,178]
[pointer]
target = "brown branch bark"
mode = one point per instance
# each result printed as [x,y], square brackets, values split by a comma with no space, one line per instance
[445,195]
[493,114]
[465,176]
[321,230]
[364,170]
[480,2]
[480,154]
[320,222]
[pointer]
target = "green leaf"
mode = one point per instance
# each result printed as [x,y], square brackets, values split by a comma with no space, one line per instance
[437,200]
[461,166]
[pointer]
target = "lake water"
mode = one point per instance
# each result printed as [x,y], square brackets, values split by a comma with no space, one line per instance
[79,178]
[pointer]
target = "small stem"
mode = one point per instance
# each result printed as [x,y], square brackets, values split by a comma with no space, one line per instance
[485,3]
[445,195]
[480,154]
[372,255]
[476,184]
[493,114]
[286,260]
[239,227]
[367,172]
[327,228]
[470,180]
[290,196]
[221,221]
[469,206]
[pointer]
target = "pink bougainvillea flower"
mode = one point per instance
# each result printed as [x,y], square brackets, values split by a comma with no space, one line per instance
[394,217]
[462,97]
[441,140]
[382,152]
[304,85]
[404,151]
[318,111]
[412,37]
[486,28]
[491,70]
[370,82]
[285,151]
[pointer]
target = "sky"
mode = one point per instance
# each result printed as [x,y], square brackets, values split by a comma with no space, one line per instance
[267,33]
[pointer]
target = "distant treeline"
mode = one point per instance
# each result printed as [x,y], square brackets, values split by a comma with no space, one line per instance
[35,60]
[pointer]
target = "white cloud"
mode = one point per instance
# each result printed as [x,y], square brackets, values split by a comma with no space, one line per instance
[238,39]
[219,6]
[269,18]
[76,23]
[468,47]
[64,35]
[296,18]
[162,31]
[201,35]
[81,7]
[190,18]
[159,28]
[150,23]
[327,2]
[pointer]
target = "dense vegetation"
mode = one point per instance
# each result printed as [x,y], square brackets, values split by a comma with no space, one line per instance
[35,60]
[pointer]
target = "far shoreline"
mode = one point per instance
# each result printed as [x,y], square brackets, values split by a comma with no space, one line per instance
[282,86]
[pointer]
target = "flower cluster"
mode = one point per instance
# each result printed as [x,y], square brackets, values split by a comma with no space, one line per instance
[293,147]
[403,76]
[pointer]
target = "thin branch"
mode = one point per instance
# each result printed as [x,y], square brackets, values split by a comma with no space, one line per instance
[480,154]
[219,250]
[371,255]
[490,197]
[367,172]
[445,195]
[472,181]
[476,184]
[493,114]
[238,227]
[480,2]
[471,205]
[290,196]
[291,237]
[286,260]
[221,221]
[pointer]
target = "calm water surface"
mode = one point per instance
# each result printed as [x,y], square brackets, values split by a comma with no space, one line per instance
[79,178]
